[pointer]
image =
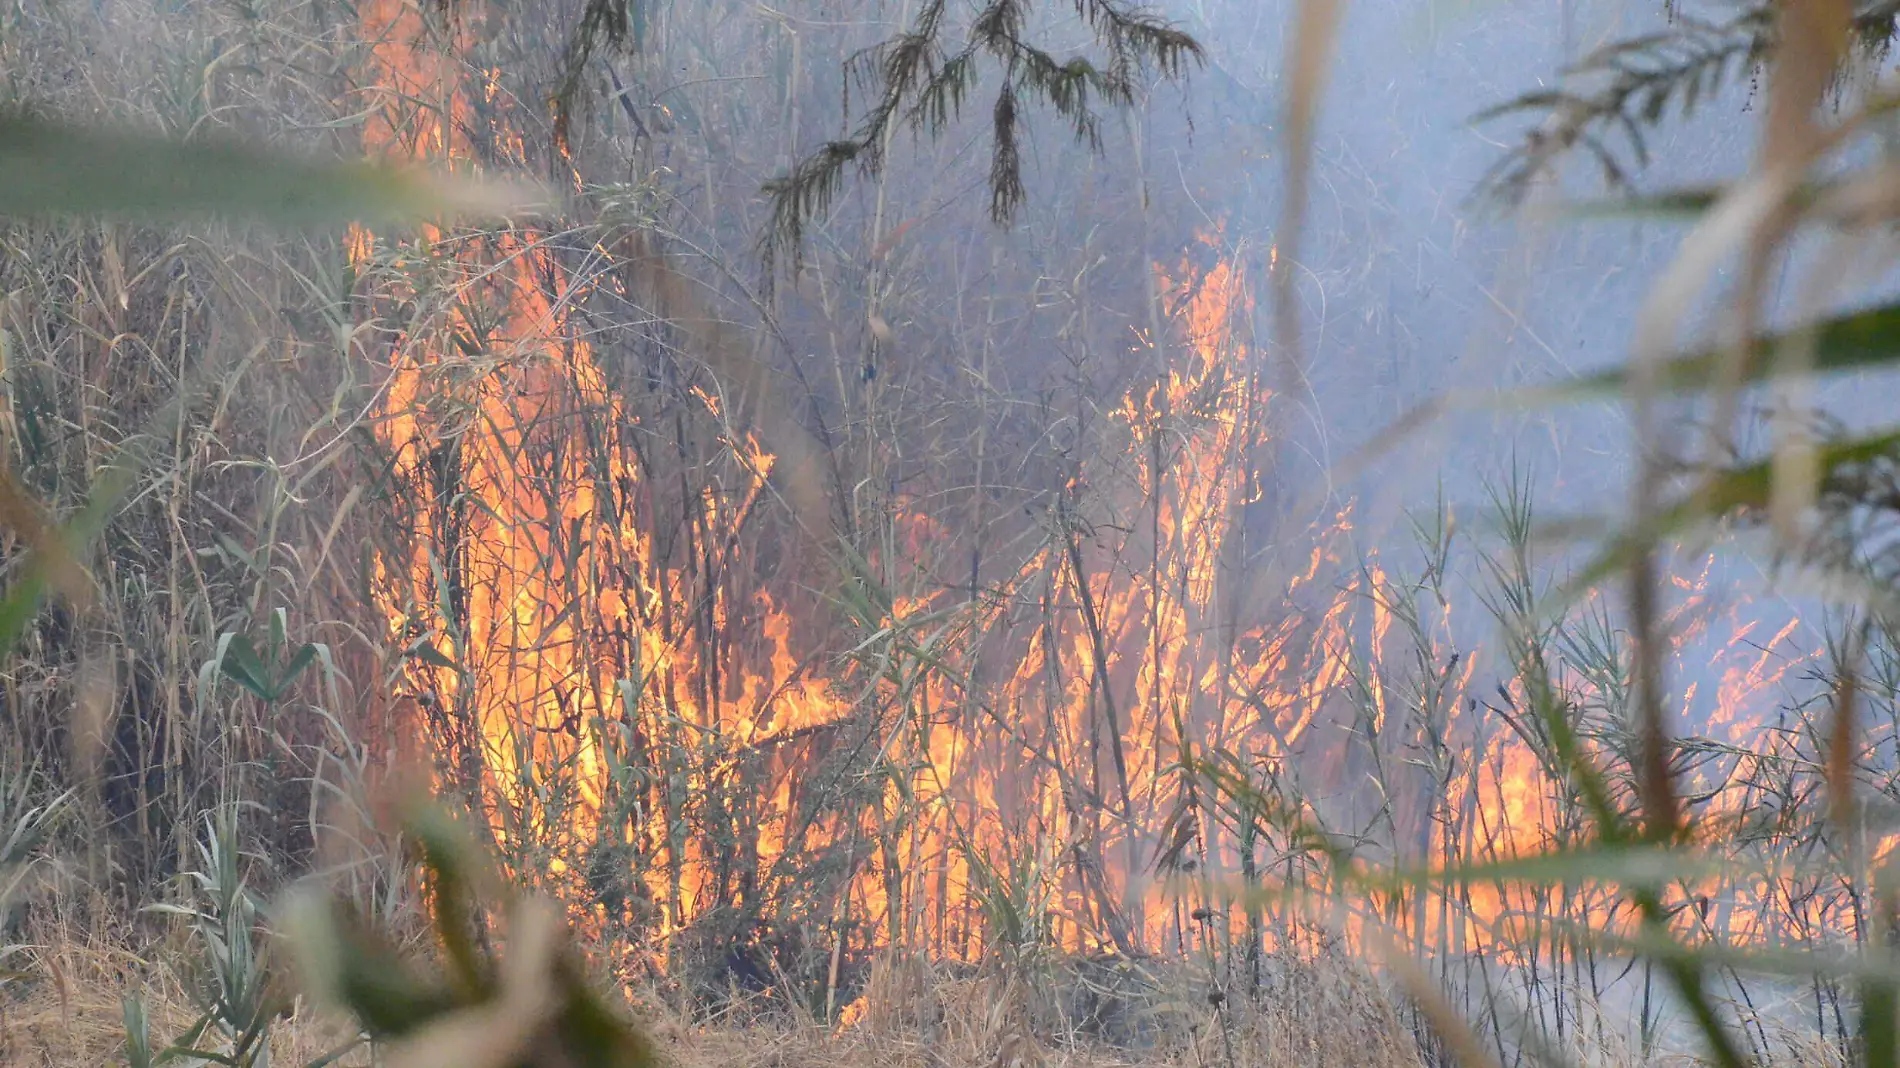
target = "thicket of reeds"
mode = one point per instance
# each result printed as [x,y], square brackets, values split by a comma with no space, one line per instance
[768,544]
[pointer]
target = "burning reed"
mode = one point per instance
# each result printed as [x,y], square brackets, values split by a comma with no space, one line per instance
[1050,732]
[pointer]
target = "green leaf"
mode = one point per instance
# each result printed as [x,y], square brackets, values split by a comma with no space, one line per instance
[1844,343]
[455,868]
[22,602]
[299,661]
[1879,1037]
[138,1032]
[348,961]
[1607,862]
[54,169]
[1685,203]
[241,665]
[185,1042]
[1854,341]
[1736,489]
[428,654]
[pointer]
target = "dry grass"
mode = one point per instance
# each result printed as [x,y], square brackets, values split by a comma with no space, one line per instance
[72,1011]
[1058,1013]
[225,530]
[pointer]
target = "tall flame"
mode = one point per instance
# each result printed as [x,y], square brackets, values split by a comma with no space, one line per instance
[592,656]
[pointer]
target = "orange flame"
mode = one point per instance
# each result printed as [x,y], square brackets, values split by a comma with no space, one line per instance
[1034,788]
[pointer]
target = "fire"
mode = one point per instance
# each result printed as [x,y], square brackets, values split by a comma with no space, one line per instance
[600,663]
[536,618]
[1134,652]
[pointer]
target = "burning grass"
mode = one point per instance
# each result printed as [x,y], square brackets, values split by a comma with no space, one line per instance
[1047,736]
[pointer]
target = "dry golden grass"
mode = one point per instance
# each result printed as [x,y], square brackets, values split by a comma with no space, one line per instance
[912,1014]
[917,1014]
[69,1009]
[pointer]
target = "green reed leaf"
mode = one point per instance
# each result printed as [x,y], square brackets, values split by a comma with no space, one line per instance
[1854,341]
[50,168]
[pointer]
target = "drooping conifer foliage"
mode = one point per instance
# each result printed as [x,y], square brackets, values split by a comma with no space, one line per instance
[1627,88]
[921,79]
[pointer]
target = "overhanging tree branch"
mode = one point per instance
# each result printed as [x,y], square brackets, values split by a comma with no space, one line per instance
[917,80]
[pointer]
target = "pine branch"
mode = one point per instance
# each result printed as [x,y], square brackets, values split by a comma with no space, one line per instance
[915,80]
[1634,85]
[603,23]
[1006,165]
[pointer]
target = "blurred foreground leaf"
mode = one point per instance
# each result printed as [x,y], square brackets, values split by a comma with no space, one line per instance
[1848,342]
[1854,341]
[1739,490]
[53,169]
[55,553]
[528,1005]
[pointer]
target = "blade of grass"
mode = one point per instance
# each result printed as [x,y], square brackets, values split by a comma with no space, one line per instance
[56,169]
